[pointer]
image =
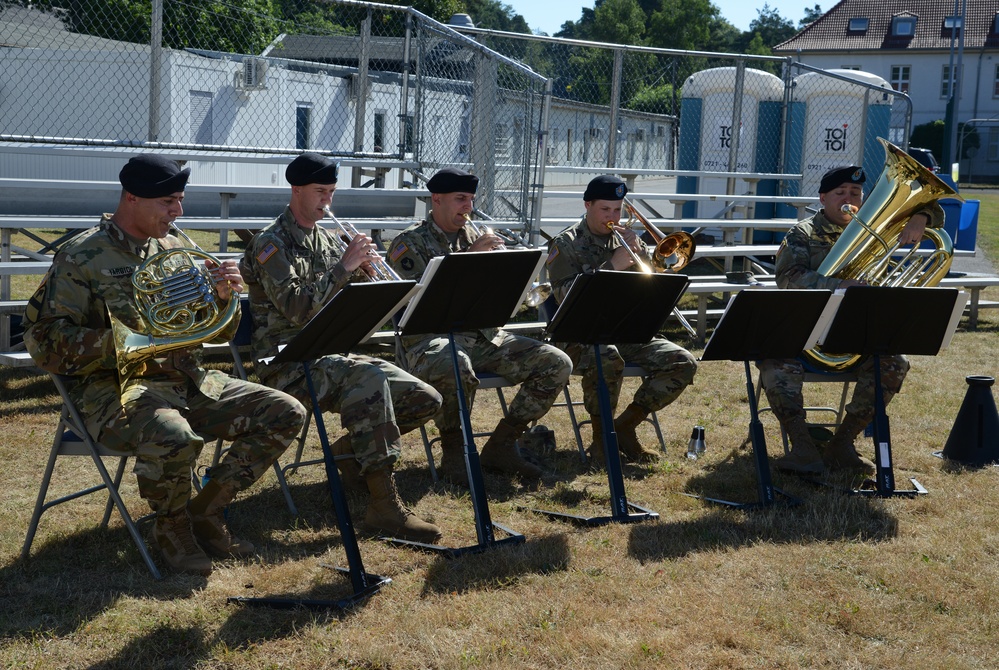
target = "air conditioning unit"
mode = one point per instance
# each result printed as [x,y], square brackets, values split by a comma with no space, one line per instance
[254,76]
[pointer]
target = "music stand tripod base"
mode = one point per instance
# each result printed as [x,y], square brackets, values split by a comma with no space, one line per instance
[456,552]
[459,294]
[609,307]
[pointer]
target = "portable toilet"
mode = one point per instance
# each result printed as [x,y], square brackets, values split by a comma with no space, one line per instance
[835,122]
[707,131]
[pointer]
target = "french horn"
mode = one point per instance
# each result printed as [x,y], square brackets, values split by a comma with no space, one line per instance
[175,294]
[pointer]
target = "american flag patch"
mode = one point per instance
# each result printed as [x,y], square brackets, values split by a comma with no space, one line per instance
[267,252]
[399,251]
[552,255]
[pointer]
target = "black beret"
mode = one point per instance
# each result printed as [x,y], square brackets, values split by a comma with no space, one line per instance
[853,174]
[153,176]
[605,187]
[311,169]
[453,180]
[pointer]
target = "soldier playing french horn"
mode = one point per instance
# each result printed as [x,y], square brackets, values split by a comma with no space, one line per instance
[161,413]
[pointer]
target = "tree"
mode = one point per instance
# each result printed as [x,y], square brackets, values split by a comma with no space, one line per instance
[618,22]
[494,15]
[682,24]
[812,14]
[770,26]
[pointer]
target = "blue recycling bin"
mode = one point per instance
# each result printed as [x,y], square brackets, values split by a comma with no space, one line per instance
[960,222]
[967,229]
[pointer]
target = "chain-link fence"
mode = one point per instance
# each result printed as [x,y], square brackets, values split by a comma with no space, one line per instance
[645,109]
[350,79]
[386,83]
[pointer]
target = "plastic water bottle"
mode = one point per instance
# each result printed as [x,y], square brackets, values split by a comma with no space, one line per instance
[699,444]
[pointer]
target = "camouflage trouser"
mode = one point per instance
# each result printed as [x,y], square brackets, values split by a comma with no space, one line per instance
[540,369]
[670,368]
[782,379]
[376,400]
[167,440]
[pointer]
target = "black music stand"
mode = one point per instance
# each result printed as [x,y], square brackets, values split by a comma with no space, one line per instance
[885,321]
[461,292]
[356,311]
[609,307]
[760,324]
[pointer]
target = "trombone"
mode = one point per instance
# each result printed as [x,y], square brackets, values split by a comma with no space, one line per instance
[642,266]
[383,271]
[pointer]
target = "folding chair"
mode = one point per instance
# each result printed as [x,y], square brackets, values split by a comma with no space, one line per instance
[487,380]
[845,378]
[546,311]
[71,439]
[630,370]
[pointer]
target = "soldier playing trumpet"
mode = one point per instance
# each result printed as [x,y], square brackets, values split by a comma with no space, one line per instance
[292,268]
[541,369]
[599,242]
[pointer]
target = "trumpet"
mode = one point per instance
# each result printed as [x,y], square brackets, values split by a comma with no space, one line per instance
[383,271]
[508,237]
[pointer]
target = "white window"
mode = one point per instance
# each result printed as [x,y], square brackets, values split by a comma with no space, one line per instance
[995,84]
[953,23]
[946,82]
[858,24]
[900,78]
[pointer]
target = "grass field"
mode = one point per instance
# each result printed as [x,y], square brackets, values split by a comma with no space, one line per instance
[837,581]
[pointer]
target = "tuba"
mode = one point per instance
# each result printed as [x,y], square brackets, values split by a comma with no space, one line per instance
[867,248]
[672,252]
[176,296]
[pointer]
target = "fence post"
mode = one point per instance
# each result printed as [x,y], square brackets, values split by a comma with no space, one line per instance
[361,91]
[482,151]
[155,69]
[615,105]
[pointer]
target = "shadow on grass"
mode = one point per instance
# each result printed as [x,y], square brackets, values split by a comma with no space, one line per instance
[825,514]
[498,567]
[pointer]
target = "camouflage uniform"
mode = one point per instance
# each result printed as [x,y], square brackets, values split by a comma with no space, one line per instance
[290,273]
[670,367]
[540,369]
[161,413]
[798,259]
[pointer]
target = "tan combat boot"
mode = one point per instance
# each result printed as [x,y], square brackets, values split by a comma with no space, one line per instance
[840,454]
[500,452]
[386,512]
[350,469]
[173,538]
[804,457]
[627,439]
[453,468]
[597,455]
[208,522]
